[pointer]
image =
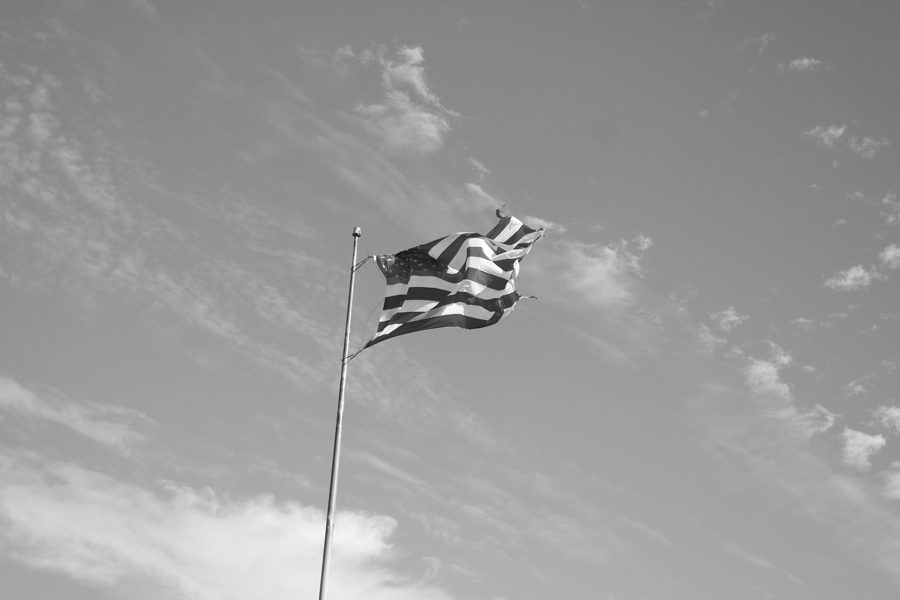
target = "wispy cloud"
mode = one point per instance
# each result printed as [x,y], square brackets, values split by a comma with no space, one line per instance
[609,351]
[866,147]
[859,448]
[860,277]
[403,126]
[410,118]
[888,417]
[567,523]
[890,257]
[482,170]
[891,211]
[891,488]
[817,420]
[545,224]
[728,319]
[772,448]
[800,65]
[826,136]
[111,426]
[481,197]
[708,340]
[853,279]
[703,9]
[145,7]
[855,388]
[762,375]
[77,233]
[602,274]
[106,532]
[807,324]
[758,44]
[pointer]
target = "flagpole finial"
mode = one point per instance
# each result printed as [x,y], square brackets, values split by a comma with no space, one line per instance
[357,232]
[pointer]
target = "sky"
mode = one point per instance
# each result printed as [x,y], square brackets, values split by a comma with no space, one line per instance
[702,402]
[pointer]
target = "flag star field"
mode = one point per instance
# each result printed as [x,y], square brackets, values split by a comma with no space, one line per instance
[703,402]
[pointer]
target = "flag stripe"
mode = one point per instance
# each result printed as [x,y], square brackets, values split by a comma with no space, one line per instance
[490,280]
[419,307]
[441,286]
[450,254]
[461,294]
[457,318]
[471,312]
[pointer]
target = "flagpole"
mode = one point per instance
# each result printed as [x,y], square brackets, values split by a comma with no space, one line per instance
[336,455]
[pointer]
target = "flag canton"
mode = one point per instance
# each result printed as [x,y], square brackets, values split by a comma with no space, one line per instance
[399,267]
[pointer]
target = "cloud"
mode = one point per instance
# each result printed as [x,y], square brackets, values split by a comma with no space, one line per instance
[763,376]
[483,171]
[853,279]
[410,72]
[759,44]
[766,450]
[859,447]
[708,340]
[891,489]
[177,542]
[826,136]
[891,209]
[411,118]
[609,351]
[888,417]
[803,65]
[703,9]
[817,420]
[481,197]
[545,224]
[642,242]
[111,426]
[807,324]
[866,147]
[603,274]
[859,277]
[854,388]
[728,319]
[145,8]
[403,126]
[343,59]
[76,232]
[890,257]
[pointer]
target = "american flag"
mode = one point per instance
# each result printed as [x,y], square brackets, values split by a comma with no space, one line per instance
[462,280]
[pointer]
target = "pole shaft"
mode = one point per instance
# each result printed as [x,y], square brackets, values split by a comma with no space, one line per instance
[336,455]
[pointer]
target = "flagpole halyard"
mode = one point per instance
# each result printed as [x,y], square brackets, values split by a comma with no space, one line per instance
[336,455]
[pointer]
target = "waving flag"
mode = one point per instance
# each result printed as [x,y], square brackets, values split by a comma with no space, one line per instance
[462,280]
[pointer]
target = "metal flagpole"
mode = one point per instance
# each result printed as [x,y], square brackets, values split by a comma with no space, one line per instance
[336,456]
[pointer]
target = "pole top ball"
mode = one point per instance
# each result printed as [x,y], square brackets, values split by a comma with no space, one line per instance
[357,232]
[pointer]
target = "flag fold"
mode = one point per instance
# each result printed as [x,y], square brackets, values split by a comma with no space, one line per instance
[462,280]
